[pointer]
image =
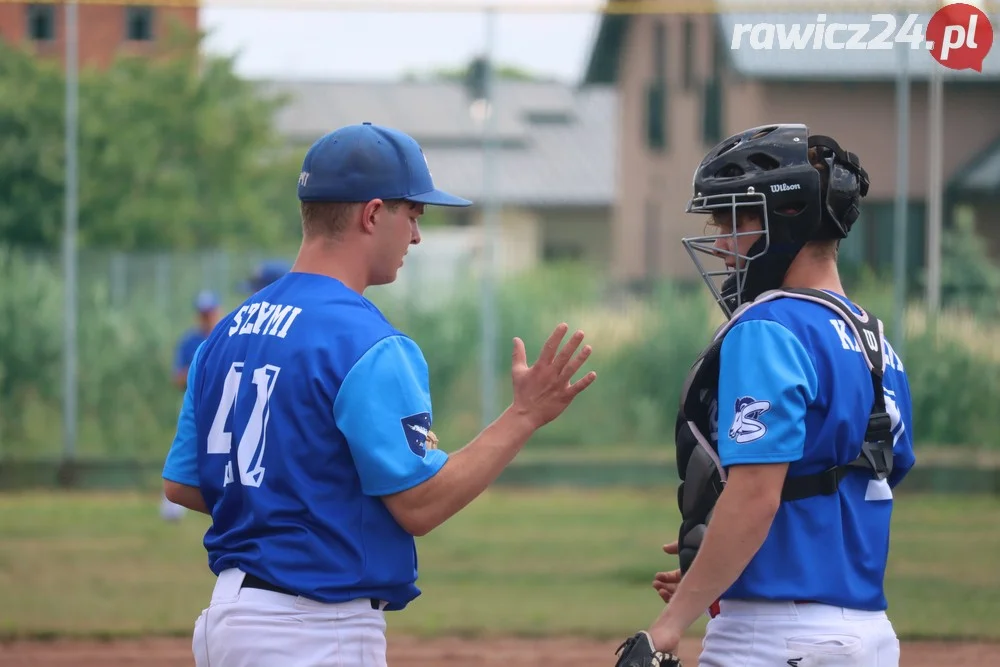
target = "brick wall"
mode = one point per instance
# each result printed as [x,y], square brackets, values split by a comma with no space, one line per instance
[102,30]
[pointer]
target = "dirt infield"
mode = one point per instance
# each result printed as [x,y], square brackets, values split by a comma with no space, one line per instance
[411,652]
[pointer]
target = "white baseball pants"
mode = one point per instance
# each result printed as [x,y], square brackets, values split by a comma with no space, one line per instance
[773,634]
[257,628]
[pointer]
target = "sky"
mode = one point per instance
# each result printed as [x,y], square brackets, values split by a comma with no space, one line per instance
[350,45]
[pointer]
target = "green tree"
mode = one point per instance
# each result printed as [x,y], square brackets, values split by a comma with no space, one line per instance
[31,149]
[175,152]
[970,278]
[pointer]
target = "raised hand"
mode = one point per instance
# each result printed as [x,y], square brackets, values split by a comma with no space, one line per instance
[543,391]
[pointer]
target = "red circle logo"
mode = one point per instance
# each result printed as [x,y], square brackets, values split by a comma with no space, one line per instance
[959,36]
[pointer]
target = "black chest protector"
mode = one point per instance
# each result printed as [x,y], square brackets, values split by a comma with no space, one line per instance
[701,472]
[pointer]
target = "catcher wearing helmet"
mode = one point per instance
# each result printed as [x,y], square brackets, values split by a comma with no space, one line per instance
[794,426]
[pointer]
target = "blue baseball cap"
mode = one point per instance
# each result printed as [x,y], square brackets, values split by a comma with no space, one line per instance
[264,274]
[206,301]
[358,163]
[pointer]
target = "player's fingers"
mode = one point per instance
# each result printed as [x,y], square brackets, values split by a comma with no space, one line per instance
[570,369]
[552,344]
[666,593]
[582,384]
[665,589]
[562,359]
[673,577]
[671,548]
[518,357]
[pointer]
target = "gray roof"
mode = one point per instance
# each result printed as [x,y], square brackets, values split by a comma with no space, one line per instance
[557,143]
[986,176]
[982,173]
[841,64]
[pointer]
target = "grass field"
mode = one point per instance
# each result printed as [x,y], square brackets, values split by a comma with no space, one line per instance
[514,563]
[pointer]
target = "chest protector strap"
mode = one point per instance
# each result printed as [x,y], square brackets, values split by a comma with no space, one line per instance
[876,450]
[698,464]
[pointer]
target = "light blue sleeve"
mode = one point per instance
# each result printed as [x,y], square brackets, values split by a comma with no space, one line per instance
[766,383]
[900,408]
[383,408]
[181,465]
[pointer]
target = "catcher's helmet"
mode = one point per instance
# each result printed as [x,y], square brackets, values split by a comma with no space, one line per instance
[767,170]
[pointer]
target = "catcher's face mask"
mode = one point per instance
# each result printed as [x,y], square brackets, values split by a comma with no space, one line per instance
[739,235]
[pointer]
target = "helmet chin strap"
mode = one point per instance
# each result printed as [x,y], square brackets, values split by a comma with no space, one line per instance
[767,271]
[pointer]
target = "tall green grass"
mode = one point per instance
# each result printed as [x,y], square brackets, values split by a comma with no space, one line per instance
[643,349]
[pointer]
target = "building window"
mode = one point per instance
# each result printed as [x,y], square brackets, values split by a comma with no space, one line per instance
[656,92]
[660,51]
[41,23]
[872,240]
[562,252]
[719,52]
[711,117]
[689,47]
[656,116]
[138,24]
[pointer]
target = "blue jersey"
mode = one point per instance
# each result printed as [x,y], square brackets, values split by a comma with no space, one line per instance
[794,387]
[186,346]
[305,406]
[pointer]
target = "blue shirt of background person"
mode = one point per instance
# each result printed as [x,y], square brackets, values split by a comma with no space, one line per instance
[206,305]
[181,465]
[794,371]
[265,273]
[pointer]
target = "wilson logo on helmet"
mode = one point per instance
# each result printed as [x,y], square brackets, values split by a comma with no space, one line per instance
[785,187]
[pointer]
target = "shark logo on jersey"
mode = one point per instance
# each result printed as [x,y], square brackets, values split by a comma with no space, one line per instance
[747,426]
[416,427]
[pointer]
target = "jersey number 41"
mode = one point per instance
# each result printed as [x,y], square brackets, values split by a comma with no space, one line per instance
[250,451]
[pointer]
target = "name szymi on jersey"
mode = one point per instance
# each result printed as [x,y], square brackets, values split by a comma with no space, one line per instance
[266,319]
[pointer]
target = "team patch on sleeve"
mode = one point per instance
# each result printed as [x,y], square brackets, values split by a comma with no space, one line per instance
[416,427]
[747,425]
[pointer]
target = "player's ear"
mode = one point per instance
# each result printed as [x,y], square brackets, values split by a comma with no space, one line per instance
[370,214]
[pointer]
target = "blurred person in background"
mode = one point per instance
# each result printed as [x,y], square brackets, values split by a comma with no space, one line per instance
[264,274]
[206,306]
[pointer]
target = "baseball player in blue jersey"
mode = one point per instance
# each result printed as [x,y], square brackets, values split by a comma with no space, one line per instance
[794,428]
[305,430]
[206,305]
[264,274]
